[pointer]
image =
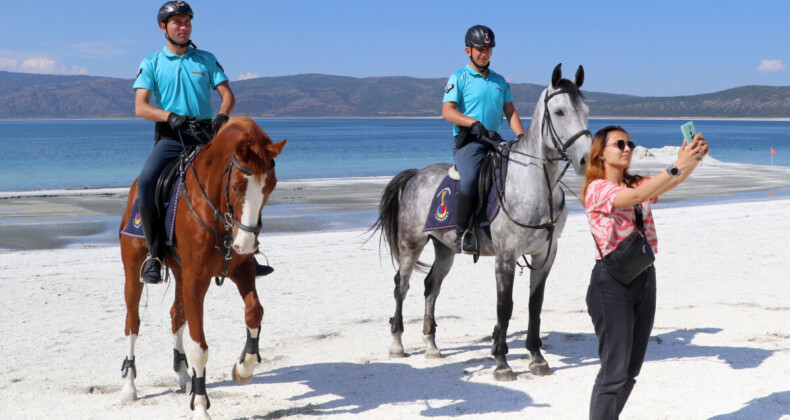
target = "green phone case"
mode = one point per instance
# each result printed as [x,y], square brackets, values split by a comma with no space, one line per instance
[689,131]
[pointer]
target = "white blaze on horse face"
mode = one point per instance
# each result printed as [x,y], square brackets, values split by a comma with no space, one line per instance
[244,242]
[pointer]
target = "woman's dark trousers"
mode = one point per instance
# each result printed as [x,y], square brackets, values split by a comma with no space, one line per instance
[623,318]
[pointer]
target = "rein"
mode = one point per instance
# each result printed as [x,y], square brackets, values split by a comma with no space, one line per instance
[548,128]
[227,218]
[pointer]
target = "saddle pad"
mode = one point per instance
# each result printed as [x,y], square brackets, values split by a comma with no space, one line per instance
[134,228]
[441,214]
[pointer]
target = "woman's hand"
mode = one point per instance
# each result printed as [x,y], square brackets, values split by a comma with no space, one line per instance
[690,155]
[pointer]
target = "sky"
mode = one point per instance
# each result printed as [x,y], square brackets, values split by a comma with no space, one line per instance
[646,48]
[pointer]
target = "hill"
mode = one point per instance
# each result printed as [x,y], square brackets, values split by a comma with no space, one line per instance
[315,95]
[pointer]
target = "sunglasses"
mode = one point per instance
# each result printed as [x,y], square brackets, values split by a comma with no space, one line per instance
[621,144]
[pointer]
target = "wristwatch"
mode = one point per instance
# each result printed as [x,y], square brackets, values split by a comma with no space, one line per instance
[673,171]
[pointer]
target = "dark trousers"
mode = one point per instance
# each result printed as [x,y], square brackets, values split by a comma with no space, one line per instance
[468,161]
[165,150]
[623,318]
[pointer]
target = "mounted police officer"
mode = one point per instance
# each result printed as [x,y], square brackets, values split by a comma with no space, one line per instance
[475,101]
[180,78]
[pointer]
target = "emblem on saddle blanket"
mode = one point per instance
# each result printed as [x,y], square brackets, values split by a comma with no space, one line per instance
[134,228]
[442,210]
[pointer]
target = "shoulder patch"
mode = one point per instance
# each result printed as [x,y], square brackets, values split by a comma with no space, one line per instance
[220,66]
[449,88]
[140,70]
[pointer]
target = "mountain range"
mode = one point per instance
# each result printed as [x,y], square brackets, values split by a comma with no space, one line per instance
[24,95]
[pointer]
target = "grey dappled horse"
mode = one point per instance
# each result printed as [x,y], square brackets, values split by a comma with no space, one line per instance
[532,219]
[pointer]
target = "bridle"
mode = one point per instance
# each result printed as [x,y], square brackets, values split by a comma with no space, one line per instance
[548,125]
[227,218]
[547,128]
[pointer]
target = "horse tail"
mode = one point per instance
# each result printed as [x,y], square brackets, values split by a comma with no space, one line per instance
[389,207]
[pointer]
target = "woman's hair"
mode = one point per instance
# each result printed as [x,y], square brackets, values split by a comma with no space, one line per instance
[595,168]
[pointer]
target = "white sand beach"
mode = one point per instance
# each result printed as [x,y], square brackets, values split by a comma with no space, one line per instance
[720,347]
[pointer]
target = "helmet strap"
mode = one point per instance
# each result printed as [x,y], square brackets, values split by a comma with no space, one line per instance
[184,45]
[481,69]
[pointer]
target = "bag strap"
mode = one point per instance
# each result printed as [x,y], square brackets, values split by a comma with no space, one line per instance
[639,226]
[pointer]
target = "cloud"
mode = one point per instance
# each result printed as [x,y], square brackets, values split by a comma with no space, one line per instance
[249,75]
[770,66]
[8,63]
[39,64]
[79,70]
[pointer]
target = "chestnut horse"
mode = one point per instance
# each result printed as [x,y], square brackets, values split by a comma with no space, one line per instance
[215,234]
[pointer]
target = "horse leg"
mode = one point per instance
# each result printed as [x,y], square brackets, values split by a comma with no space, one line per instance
[443,261]
[133,290]
[178,321]
[505,271]
[537,286]
[408,260]
[194,293]
[253,314]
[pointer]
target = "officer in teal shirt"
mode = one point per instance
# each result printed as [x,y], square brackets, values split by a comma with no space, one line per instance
[180,79]
[475,101]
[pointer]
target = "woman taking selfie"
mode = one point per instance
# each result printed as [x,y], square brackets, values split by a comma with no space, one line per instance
[621,298]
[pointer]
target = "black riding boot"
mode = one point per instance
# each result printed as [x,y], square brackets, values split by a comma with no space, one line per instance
[152,266]
[465,237]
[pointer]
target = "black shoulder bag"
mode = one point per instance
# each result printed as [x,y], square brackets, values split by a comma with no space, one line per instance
[632,256]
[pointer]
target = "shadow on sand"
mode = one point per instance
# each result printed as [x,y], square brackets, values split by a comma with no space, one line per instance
[361,387]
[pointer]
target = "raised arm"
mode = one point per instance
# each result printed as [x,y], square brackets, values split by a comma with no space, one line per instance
[687,161]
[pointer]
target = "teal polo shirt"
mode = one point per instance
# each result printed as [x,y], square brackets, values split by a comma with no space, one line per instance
[181,84]
[482,98]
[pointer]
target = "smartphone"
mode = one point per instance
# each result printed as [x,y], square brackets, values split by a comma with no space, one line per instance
[689,131]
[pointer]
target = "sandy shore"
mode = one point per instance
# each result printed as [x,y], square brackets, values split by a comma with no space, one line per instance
[719,348]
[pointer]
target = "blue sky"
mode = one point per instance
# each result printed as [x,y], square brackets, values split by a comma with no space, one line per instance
[649,48]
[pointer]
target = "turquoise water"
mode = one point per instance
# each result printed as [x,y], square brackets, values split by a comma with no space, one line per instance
[85,154]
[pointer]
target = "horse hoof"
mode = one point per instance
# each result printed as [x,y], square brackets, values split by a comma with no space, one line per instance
[127,398]
[238,380]
[200,414]
[433,354]
[504,375]
[398,355]
[539,369]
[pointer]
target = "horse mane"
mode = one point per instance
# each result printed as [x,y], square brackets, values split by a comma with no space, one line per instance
[576,95]
[254,157]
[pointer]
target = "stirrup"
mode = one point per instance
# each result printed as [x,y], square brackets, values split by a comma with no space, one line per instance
[142,267]
[473,241]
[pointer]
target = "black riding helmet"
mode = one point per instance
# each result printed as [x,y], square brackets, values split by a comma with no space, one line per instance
[173,8]
[480,36]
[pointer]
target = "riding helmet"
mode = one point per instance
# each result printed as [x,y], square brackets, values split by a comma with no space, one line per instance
[480,36]
[173,8]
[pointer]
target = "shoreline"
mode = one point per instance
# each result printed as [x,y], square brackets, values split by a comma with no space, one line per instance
[89,217]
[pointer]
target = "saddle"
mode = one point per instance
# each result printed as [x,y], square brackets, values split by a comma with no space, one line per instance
[174,171]
[491,180]
[166,194]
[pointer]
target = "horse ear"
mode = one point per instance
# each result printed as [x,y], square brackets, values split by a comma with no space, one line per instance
[578,79]
[557,75]
[275,149]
